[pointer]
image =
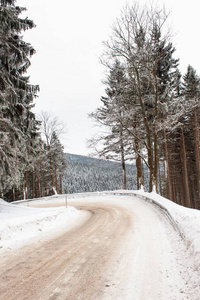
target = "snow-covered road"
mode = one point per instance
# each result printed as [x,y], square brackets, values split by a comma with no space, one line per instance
[121,248]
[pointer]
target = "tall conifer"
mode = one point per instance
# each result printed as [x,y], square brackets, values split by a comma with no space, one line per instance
[16,94]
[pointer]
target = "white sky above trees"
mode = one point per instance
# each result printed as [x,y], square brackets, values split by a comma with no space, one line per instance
[68,41]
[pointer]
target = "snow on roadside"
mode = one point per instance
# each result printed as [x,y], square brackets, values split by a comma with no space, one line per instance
[20,224]
[186,219]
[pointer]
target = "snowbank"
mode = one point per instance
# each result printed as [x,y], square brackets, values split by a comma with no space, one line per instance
[20,224]
[185,220]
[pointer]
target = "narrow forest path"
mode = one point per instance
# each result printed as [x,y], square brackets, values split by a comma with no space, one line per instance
[122,248]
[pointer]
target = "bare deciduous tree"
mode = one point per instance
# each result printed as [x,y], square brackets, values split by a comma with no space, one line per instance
[51,129]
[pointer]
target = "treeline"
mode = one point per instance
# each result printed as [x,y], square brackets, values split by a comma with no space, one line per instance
[87,174]
[151,111]
[29,167]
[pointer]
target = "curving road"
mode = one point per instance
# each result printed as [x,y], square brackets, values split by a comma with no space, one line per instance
[121,249]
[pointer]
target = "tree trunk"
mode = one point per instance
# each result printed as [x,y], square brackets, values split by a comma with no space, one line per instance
[53,184]
[140,180]
[124,175]
[33,184]
[61,185]
[197,155]
[167,159]
[13,189]
[155,167]
[187,201]
[150,163]
[123,162]
[25,186]
[56,179]
[148,133]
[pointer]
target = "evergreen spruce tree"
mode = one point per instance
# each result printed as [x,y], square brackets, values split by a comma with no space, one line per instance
[111,115]
[16,95]
[191,84]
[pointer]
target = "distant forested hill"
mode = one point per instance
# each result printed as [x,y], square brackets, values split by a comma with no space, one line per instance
[86,174]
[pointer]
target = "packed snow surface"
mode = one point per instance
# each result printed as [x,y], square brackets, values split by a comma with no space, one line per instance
[186,220]
[21,224]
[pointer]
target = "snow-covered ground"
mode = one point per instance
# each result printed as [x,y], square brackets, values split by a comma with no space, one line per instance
[21,224]
[185,220]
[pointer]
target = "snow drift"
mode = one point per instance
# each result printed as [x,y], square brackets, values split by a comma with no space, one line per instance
[185,220]
[20,224]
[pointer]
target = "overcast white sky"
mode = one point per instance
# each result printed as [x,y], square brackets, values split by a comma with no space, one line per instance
[68,41]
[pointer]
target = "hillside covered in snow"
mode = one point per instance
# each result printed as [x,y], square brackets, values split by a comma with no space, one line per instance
[88,174]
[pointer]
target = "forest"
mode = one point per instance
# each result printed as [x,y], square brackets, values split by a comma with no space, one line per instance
[88,174]
[149,116]
[30,166]
[150,112]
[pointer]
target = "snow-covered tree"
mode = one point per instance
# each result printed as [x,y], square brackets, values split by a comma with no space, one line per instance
[58,162]
[16,95]
[111,115]
[138,41]
[51,129]
[181,143]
